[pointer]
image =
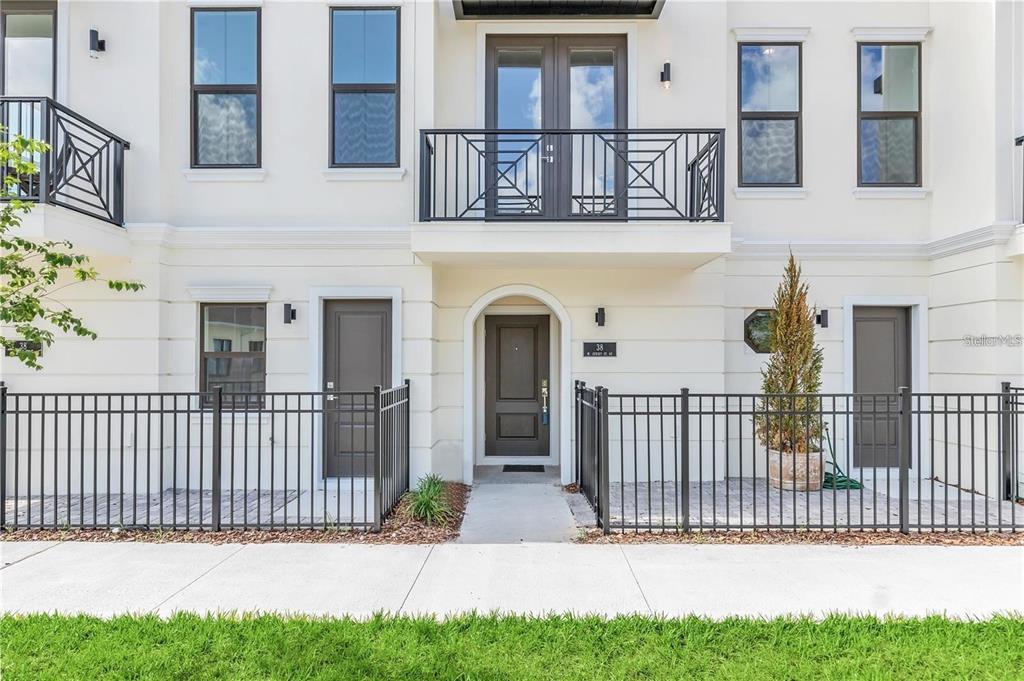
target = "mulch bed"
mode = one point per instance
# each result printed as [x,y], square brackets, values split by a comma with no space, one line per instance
[595,536]
[399,528]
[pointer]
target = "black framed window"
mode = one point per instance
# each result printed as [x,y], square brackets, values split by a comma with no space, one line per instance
[770,93]
[232,342]
[889,114]
[364,87]
[226,88]
[28,49]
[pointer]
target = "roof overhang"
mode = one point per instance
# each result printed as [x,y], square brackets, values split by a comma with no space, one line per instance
[563,9]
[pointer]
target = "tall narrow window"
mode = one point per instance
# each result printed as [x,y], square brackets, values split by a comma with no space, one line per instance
[226,88]
[27,31]
[769,94]
[889,120]
[364,87]
[232,355]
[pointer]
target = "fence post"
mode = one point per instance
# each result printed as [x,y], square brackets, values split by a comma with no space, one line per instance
[377,433]
[684,461]
[218,398]
[3,455]
[406,437]
[603,497]
[906,422]
[577,423]
[1006,440]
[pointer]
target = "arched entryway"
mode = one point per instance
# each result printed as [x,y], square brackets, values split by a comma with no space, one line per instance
[561,377]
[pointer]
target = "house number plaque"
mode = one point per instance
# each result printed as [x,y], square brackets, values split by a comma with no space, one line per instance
[601,349]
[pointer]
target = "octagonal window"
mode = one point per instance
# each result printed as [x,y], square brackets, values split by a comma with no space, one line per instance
[757,331]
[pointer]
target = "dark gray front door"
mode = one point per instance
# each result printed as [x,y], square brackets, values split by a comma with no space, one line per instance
[517,385]
[881,365]
[357,357]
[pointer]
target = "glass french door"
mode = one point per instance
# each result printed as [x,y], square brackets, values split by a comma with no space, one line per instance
[536,85]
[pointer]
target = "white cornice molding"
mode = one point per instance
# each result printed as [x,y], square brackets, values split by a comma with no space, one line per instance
[895,34]
[771,34]
[230,293]
[225,3]
[243,237]
[997,234]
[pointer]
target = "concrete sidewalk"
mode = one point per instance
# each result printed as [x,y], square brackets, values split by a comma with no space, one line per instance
[351,579]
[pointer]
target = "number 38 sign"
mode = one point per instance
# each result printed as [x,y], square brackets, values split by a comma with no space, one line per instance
[601,349]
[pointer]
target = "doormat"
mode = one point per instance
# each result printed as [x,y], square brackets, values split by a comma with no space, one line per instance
[519,468]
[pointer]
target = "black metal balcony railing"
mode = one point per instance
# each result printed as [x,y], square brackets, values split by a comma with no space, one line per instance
[618,175]
[84,167]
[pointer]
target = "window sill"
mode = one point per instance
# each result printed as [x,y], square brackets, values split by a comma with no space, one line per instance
[891,192]
[770,193]
[224,174]
[364,174]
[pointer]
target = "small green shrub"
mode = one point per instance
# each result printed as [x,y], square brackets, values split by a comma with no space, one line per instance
[429,504]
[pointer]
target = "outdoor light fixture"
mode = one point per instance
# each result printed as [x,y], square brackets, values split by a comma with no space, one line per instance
[822,319]
[289,313]
[666,75]
[95,44]
[599,317]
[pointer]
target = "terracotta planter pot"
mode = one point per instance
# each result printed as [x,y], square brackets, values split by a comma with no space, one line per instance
[801,472]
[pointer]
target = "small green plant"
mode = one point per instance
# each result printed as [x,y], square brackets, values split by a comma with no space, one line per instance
[429,504]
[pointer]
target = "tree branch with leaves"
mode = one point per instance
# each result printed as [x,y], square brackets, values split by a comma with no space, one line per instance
[33,272]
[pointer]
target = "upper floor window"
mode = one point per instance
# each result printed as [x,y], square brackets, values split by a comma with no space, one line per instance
[364,87]
[769,106]
[226,88]
[27,31]
[889,114]
[232,351]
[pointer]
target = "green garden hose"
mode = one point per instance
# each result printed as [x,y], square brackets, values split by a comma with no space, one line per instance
[836,478]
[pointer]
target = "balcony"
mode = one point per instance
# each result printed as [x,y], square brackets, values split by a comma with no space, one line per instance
[595,196]
[82,171]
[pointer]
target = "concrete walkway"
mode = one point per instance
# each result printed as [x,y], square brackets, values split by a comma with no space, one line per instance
[511,508]
[350,579]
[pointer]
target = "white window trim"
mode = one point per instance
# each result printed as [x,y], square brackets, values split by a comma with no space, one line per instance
[355,174]
[895,34]
[771,34]
[891,193]
[230,293]
[772,193]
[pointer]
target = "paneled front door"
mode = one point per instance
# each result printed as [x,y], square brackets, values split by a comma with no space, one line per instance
[357,357]
[881,366]
[517,385]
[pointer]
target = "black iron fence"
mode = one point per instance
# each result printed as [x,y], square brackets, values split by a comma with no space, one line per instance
[903,461]
[200,461]
[1020,143]
[84,167]
[599,174]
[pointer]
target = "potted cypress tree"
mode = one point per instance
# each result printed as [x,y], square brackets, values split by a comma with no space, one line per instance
[789,424]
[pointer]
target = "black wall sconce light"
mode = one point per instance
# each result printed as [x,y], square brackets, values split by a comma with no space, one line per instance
[822,319]
[599,317]
[289,313]
[666,75]
[95,44]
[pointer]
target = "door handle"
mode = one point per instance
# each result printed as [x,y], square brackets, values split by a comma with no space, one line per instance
[544,418]
[548,159]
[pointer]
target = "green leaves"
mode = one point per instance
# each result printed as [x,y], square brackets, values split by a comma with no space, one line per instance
[32,272]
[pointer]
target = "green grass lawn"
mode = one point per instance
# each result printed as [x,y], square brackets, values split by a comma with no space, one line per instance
[478,647]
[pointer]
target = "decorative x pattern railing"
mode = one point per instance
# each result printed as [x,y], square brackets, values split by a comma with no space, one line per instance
[84,167]
[591,174]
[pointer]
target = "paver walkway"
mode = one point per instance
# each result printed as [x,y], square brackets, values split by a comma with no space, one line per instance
[358,580]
